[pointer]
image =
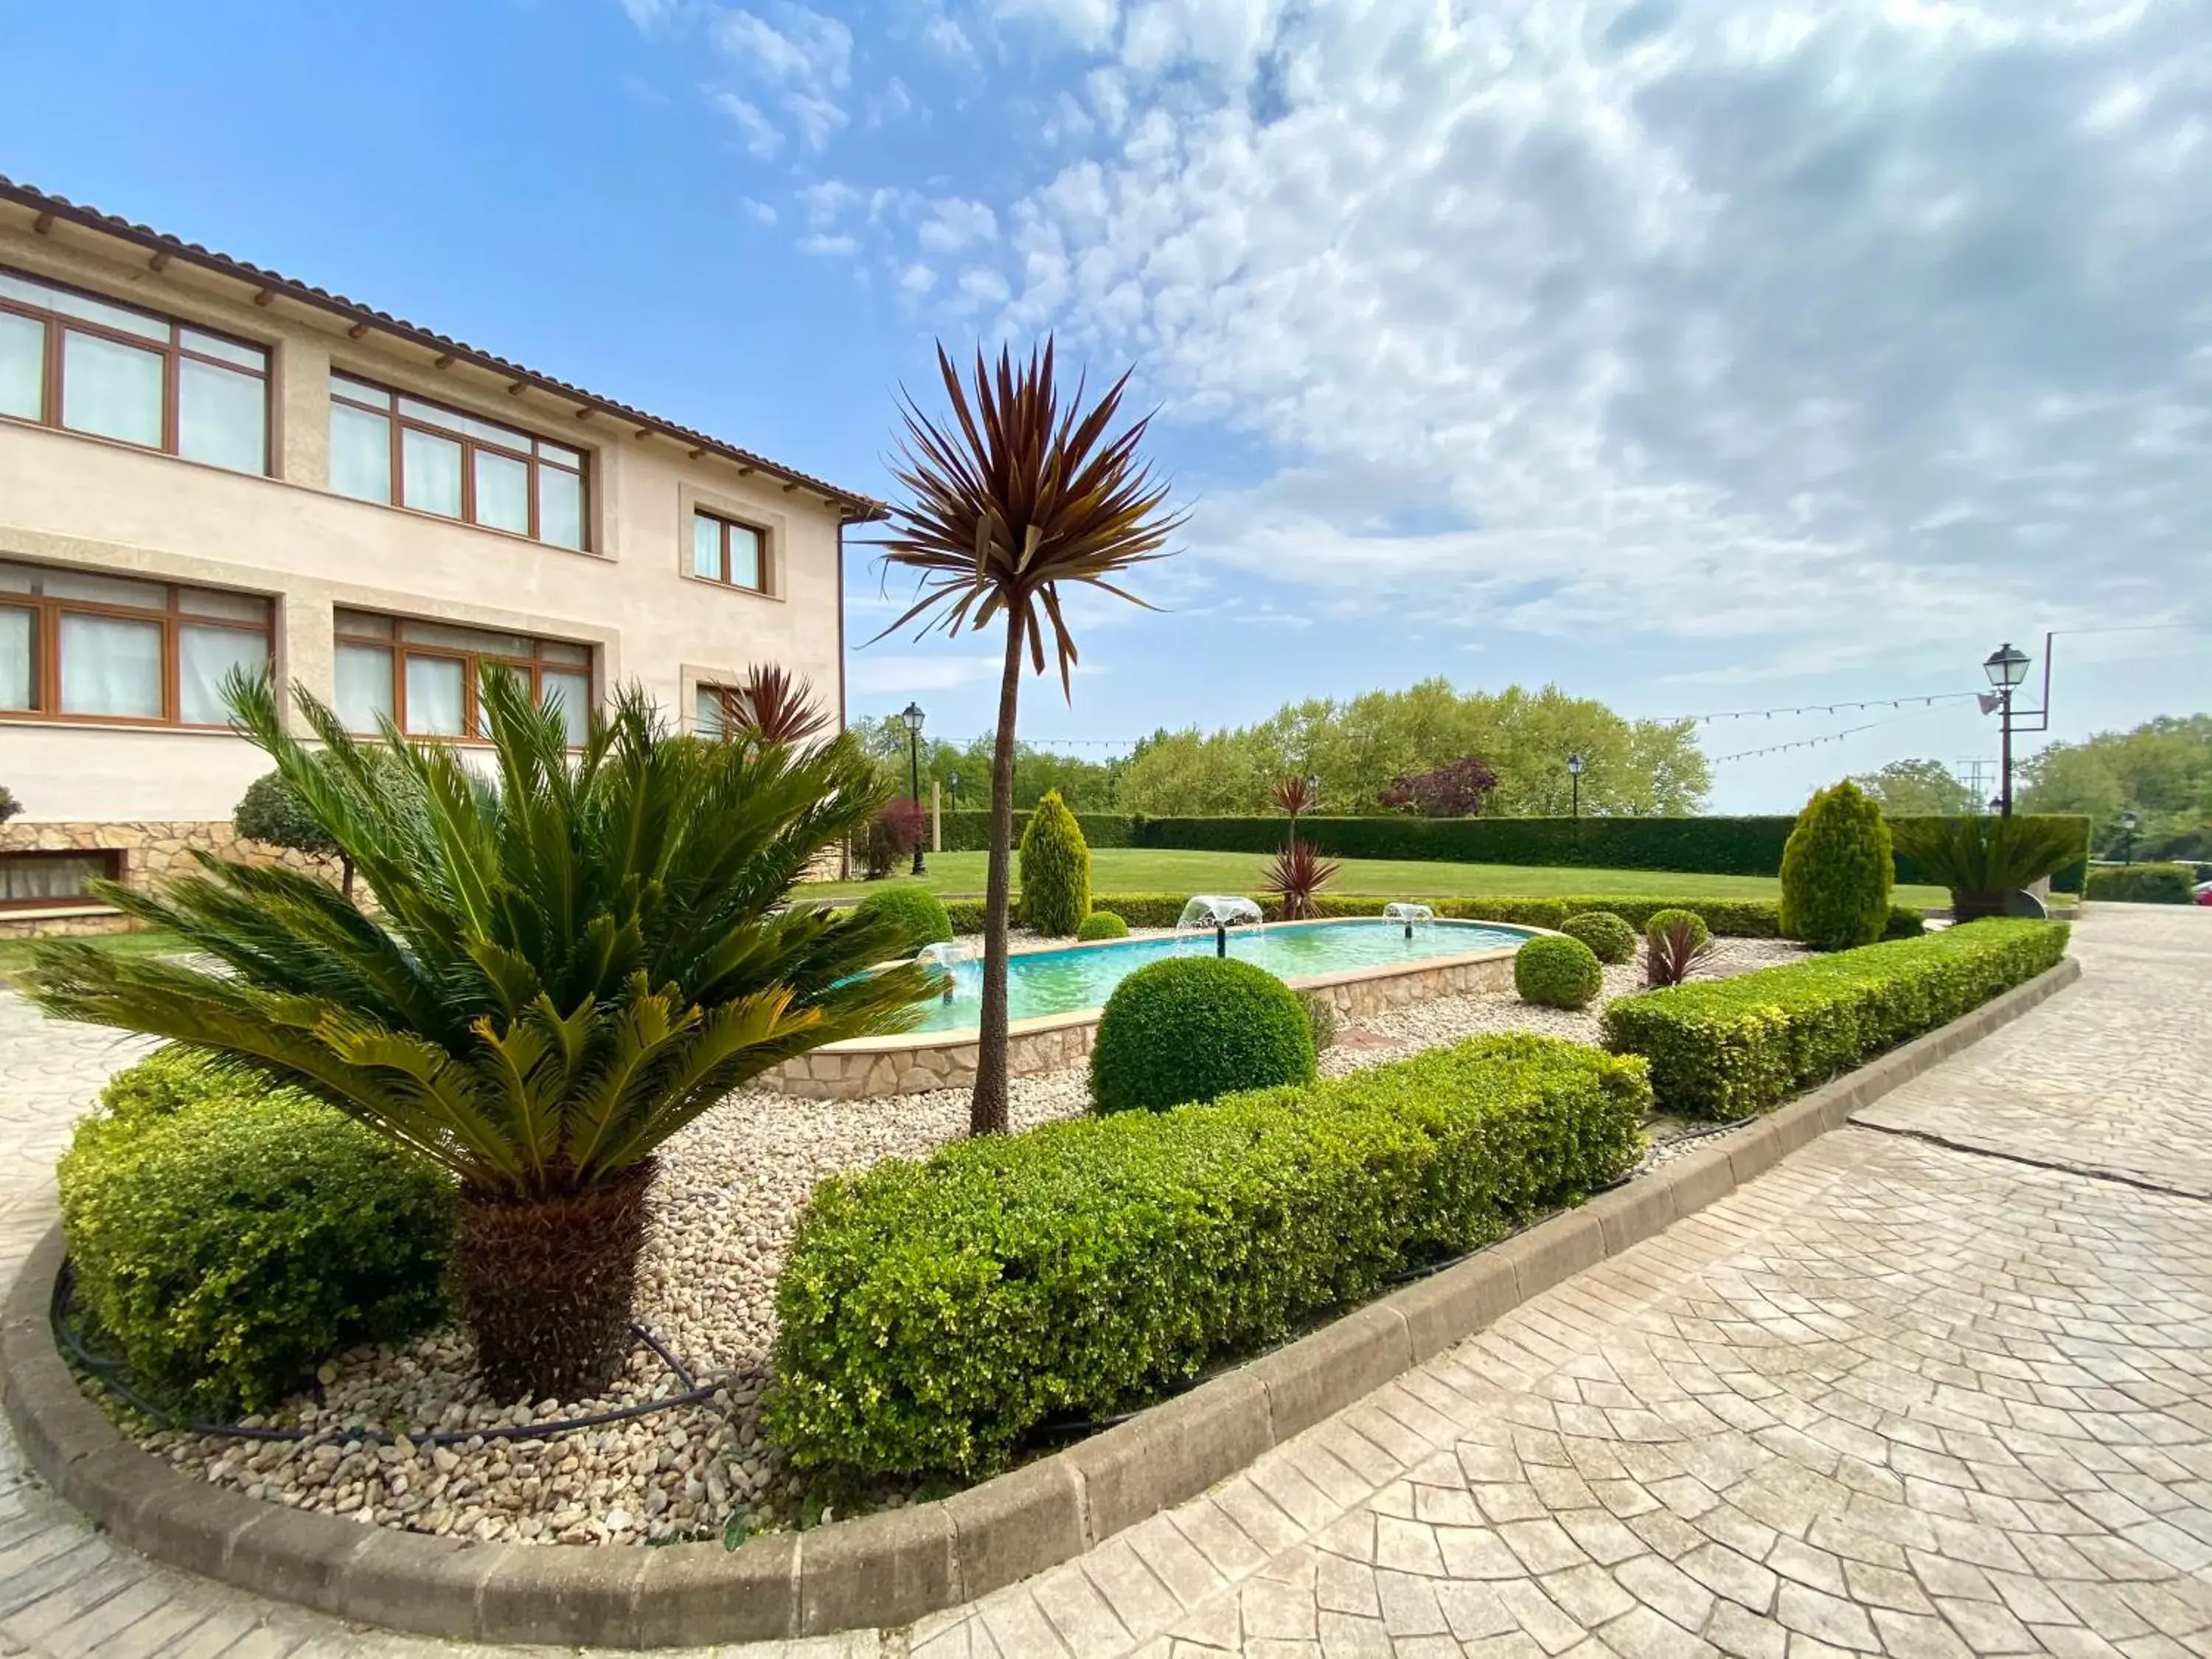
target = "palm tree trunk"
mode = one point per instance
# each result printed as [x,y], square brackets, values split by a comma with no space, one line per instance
[987,1111]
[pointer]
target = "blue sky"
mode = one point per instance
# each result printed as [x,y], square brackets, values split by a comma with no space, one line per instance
[1692,356]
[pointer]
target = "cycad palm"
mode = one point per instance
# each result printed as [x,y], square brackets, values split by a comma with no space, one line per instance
[1008,501]
[566,964]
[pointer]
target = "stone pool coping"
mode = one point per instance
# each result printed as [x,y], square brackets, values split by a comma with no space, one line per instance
[908,1061]
[888,1568]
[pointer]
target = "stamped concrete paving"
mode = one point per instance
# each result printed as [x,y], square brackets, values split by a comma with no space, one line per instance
[1938,1385]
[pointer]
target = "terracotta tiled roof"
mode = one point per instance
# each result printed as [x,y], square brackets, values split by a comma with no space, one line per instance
[58,208]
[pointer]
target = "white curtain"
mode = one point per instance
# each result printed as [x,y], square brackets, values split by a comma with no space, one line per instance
[204,657]
[502,492]
[572,693]
[364,686]
[110,389]
[221,416]
[433,466]
[18,628]
[22,366]
[111,665]
[433,696]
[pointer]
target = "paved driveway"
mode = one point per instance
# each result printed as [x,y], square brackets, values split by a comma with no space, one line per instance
[1941,1384]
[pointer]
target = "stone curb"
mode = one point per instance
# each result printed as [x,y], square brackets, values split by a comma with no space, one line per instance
[891,1568]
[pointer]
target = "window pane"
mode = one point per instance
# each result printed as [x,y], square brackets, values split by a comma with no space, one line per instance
[359,390]
[110,389]
[101,589]
[22,366]
[707,714]
[465,638]
[560,507]
[364,686]
[213,602]
[48,297]
[361,453]
[744,557]
[573,692]
[111,665]
[221,416]
[29,878]
[19,634]
[502,492]
[706,547]
[560,456]
[577,656]
[433,480]
[213,345]
[433,696]
[204,657]
[430,415]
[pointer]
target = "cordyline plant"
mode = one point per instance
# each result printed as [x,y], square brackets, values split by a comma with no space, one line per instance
[1295,878]
[1296,795]
[772,706]
[1010,500]
[567,960]
[1674,949]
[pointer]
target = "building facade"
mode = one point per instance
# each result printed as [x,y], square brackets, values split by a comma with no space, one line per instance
[205,465]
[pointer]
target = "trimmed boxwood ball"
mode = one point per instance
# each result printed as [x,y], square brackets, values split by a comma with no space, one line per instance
[1836,871]
[918,912]
[1557,972]
[1660,921]
[1193,1028]
[1610,939]
[1055,870]
[1102,924]
[230,1244]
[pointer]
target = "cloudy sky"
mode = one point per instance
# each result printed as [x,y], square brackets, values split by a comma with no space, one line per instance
[1697,357]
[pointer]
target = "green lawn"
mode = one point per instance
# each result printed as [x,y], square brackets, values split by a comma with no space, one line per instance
[15,953]
[1139,870]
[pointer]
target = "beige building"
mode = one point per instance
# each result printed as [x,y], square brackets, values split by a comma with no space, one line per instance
[206,465]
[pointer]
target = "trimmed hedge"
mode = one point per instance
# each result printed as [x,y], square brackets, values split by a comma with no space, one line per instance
[1610,939]
[1193,1028]
[1729,918]
[2145,884]
[229,1244]
[1556,971]
[932,1314]
[1749,846]
[1727,1048]
[918,912]
[1101,924]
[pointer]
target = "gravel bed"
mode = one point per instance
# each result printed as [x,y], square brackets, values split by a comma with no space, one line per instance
[730,1190]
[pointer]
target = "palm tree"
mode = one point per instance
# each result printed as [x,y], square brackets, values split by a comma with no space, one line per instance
[566,963]
[1010,500]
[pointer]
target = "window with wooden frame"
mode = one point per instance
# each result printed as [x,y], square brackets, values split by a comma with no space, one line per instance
[34,881]
[425,677]
[80,363]
[717,710]
[725,551]
[83,645]
[401,451]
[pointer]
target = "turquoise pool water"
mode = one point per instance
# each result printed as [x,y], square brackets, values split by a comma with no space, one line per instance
[1082,976]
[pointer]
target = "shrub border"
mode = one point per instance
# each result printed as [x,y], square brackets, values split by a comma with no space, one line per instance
[887,1569]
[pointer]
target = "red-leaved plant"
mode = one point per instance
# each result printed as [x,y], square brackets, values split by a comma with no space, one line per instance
[1674,950]
[1295,878]
[897,831]
[1300,793]
[775,707]
[1458,789]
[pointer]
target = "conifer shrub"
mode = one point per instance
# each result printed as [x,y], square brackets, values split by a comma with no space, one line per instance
[1055,870]
[1837,871]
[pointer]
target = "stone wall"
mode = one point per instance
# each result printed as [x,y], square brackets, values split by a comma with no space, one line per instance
[151,851]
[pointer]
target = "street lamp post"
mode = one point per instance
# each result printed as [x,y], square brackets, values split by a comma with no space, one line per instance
[2007,667]
[2127,823]
[953,780]
[912,715]
[1575,763]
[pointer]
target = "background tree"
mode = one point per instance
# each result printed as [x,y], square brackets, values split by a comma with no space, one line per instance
[9,806]
[1456,789]
[272,812]
[1008,501]
[2161,771]
[1917,788]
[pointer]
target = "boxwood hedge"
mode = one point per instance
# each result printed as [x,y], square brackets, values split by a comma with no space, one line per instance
[1726,1048]
[2145,884]
[933,1314]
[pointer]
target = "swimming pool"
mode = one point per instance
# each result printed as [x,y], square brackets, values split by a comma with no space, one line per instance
[1080,977]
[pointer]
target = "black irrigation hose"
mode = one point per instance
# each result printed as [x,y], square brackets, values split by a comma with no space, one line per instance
[111,1375]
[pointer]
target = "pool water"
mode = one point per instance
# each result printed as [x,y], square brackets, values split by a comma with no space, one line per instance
[1080,977]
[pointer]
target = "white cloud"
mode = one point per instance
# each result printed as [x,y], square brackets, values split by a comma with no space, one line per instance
[801,45]
[1815,331]
[917,279]
[874,672]
[828,247]
[955,222]
[818,118]
[758,132]
[759,212]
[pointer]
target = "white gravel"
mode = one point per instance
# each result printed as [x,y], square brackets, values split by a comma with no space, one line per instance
[729,1193]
